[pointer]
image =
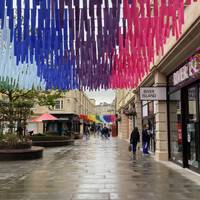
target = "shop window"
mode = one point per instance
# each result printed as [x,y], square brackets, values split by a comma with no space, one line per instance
[145,110]
[192,129]
[151,108]
[176,145]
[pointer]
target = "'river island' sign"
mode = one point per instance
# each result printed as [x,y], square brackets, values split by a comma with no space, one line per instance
[153,93]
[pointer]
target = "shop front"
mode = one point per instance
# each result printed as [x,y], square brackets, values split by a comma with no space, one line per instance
[65,124]
[184,114]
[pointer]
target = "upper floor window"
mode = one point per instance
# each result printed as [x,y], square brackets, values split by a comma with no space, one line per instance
[58,105]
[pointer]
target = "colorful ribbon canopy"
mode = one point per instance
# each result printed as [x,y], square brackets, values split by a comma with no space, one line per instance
[90,44]
[99,118]
[24,75]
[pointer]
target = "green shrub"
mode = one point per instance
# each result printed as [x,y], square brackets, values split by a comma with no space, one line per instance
[13,141]
[1,136]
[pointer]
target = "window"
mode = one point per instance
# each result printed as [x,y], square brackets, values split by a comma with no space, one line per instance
[145,111]
[58,105]
[192,104]
[151,108]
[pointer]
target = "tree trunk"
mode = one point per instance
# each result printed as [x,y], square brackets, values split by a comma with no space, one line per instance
[10,112]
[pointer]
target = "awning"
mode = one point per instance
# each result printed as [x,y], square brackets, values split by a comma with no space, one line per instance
[45,117]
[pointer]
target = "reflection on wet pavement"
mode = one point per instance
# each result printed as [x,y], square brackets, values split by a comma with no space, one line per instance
[94,169]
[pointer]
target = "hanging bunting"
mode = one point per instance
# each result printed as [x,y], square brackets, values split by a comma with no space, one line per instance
[90,44]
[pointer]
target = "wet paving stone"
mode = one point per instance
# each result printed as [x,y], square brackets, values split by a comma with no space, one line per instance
[93,170]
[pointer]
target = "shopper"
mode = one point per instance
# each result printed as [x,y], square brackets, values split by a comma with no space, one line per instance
[105,131]
[134,139]
[98,130]
[145,139]
[86,132]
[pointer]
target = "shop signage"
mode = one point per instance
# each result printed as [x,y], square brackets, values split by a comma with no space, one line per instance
[188,70]
[153,93]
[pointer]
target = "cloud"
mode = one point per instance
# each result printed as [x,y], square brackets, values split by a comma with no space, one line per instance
[102,96]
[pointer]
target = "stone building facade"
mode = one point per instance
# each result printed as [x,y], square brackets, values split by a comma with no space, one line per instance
[105,108]
[76,102]
[72,103]
[174,122]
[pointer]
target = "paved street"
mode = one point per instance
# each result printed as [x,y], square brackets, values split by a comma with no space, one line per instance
[96,169]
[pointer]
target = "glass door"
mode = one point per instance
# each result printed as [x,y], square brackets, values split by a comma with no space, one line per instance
[192,126]
[152,145]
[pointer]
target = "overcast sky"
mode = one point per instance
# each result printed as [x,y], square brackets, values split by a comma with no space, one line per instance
[102,96]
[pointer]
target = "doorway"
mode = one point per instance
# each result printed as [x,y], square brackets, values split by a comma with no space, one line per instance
[150,122]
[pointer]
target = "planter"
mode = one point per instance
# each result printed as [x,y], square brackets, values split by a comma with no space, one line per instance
[21,154]
[77,135]
[53,143]
[48,138]
[16,146]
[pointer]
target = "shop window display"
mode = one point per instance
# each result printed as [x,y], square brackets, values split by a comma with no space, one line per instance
[184,113]
[176,144]
[192,126]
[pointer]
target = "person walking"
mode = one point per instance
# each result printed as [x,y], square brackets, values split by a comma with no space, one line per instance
[98,130]
[134,139]
[86,132]
[145,139]
[105,132]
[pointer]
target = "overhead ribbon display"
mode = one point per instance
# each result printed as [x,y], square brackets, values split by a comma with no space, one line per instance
[23,76]
[147,26]
[90,44]
[98,118]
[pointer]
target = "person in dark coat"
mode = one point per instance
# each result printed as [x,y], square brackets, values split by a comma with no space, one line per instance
[145,140]
[86,132]
[134,139]
[105,131]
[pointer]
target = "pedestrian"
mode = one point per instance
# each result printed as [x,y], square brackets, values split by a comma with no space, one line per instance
[102,132]
[109,131]
[98,130]
[86,132]
[105,132]
[92,129]
[19,130]
[134,139]
[145,139]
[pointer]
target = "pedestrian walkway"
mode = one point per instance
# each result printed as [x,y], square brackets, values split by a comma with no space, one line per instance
[94,169]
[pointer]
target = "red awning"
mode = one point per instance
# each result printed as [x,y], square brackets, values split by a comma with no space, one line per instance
[45,117]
